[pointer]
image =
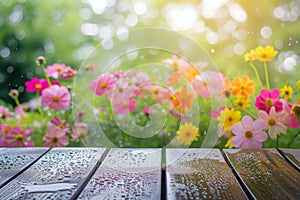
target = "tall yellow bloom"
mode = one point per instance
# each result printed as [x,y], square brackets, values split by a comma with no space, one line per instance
[298,84]
[228,118]
[242,87]
[265,54]
[287,92]
[241,103]
[229,143]
[187,133]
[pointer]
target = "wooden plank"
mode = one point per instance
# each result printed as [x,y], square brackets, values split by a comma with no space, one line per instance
[265,173]
[57,175]
[126,174]
[15,160]
[292,155]
[200,174]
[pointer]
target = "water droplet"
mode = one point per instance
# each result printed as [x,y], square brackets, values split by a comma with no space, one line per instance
[212,50]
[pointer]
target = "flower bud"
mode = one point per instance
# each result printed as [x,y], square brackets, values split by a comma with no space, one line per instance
[14,94]
[41,60]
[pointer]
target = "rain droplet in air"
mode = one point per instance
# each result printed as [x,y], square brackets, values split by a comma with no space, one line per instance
[212,50]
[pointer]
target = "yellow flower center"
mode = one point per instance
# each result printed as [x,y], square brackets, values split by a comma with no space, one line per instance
[121,90]
[271,122]
[269,102]
[287,92]
[55,98]
[204,83]
[240,104]
[295,110]
[19,137]
[155,91]
[263,55]
[103,85]
[230,119]
[61,126]
[55,140]
[38,86]
[248,134]
[59,69]
[242,87]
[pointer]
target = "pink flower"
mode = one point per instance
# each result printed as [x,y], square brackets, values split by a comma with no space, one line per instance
[178,64]
[55,137]
[121,92]
[291,119]
[4,129]
[125,107]
[274,121]
[267,99]
[249,134]
[56,97]
[147,111]
[209,84]
[67,73]
[55,69]
[36,84]
[4,112]
[18,137]
[216,113]
[62,124]
[79,130]
[102,84]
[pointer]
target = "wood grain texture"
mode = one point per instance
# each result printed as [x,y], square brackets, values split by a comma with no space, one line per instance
[57,175]
[265,173]
[126,174]
[200,174]
[14,160]
[292,155]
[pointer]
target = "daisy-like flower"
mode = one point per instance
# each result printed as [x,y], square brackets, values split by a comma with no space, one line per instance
[243,87]
[249,134]
[55,137]
[121,91]
[295,110]
[228,118]
[293,115]
[187,133]
[275,121]
[102,84]
[191,72]
[4,112]
[67,73]
[124,107]
[56,97]
[251,56]
[62,124]
[17,137]
[227,87]
[36,84]
[55,70]
[178,64]
[241,103]
[267,99]
[265,54]
[184,98]
[287,92]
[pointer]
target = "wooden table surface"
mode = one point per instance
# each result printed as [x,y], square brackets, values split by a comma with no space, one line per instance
[98,173]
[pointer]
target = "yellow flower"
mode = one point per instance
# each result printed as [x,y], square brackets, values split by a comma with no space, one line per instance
[241,103]
[295,110]
[252,55]
[265,54]
[287,92]
[228,118]
[187,133]
[229,143]
[298,84]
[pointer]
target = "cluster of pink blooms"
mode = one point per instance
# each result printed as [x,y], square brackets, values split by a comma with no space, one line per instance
[53,96]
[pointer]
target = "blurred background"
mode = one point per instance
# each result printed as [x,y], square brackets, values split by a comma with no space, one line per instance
[67,30]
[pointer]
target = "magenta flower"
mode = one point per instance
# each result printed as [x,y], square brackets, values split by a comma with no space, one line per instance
[267,99]
[79,130]
[56,97]
[55,137]
[276,122]
[4,129]
[102,84]
[17,137]
[55,69]
[62,124]
[36,84]
[147,111]
[4,112]
[249,134]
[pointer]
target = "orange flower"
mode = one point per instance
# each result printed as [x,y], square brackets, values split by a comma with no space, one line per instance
[191,72]
[184,98]
[243,87]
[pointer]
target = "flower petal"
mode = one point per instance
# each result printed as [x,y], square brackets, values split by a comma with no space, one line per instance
[247,122]
[238,129]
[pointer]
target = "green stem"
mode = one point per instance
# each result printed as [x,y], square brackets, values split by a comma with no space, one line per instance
[40,107]
[45,74]
[256,74]
[17,101]
[277,141]
[267,75]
